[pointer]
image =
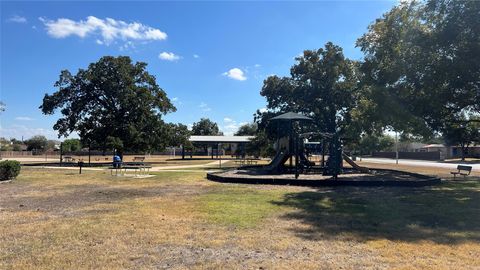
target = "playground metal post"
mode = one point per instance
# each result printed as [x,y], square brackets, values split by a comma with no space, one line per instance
[396,147]
[220,158]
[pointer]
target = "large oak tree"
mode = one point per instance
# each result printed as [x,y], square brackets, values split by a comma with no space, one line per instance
[112,102]
[422,65]
[322,84]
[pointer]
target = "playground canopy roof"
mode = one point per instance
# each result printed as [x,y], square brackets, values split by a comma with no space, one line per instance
[220,139]
[291,116]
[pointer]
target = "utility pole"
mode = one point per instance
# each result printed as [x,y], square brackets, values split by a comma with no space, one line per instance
[61,154]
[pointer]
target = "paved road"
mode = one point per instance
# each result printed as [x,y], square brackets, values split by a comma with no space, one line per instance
[422,163]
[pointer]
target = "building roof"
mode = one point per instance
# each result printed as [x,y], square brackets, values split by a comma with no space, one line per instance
[291,116]
[435,145]
[220,139]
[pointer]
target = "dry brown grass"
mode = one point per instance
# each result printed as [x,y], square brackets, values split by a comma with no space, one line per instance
[55,219]
[440,172]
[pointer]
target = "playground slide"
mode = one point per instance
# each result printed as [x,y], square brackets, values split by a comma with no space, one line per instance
[277,161]
[353,164]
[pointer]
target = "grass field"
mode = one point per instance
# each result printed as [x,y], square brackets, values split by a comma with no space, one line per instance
[56,219]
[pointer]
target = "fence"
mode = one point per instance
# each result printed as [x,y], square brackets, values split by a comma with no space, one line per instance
[16,153]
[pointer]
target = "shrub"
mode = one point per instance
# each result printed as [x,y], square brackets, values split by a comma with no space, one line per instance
[9,169]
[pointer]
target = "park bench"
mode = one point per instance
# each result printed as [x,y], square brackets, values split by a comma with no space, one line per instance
[252,161]
[138,159]
[462,170]
[240,161]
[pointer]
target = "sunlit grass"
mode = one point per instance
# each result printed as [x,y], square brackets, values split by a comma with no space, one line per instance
[239,206]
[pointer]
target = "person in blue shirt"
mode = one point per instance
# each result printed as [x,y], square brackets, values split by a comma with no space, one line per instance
[117,161]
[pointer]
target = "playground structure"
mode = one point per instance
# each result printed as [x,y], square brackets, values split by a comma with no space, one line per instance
[291,146]
[291,164]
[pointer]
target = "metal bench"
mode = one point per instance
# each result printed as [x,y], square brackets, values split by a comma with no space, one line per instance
[240,161]
[252,161]
[462,170]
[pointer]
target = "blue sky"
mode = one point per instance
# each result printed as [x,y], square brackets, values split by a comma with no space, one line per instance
[210,57]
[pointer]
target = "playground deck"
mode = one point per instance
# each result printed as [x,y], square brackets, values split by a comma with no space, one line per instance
[377,177]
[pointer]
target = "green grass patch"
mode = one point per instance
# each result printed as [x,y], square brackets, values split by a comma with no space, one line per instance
[239,206]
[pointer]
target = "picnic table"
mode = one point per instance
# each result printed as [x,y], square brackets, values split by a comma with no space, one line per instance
[138,159]
[140,167]
[68,159]
[246,161]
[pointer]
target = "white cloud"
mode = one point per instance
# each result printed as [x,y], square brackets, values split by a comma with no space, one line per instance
[127,45]
[17,19]
[263,110]
[257,65]
[108,30]
[196,56]
[23,118]
[169,56]
[231,126]
[204,107]
[236,74]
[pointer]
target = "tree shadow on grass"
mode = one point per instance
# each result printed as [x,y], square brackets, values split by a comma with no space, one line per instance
[449,213]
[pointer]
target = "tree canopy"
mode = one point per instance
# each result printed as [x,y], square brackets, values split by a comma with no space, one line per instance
[463,134]
[205,127]
[37,143]
[249,129]
[178,134]
[422,65]
[322,84]
[71,145]
[420,76]
[112,102]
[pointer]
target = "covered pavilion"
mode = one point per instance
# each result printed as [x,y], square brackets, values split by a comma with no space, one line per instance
[215,142]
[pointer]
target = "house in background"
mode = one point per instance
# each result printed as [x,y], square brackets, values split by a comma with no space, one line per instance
[411,146]
[448,152]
